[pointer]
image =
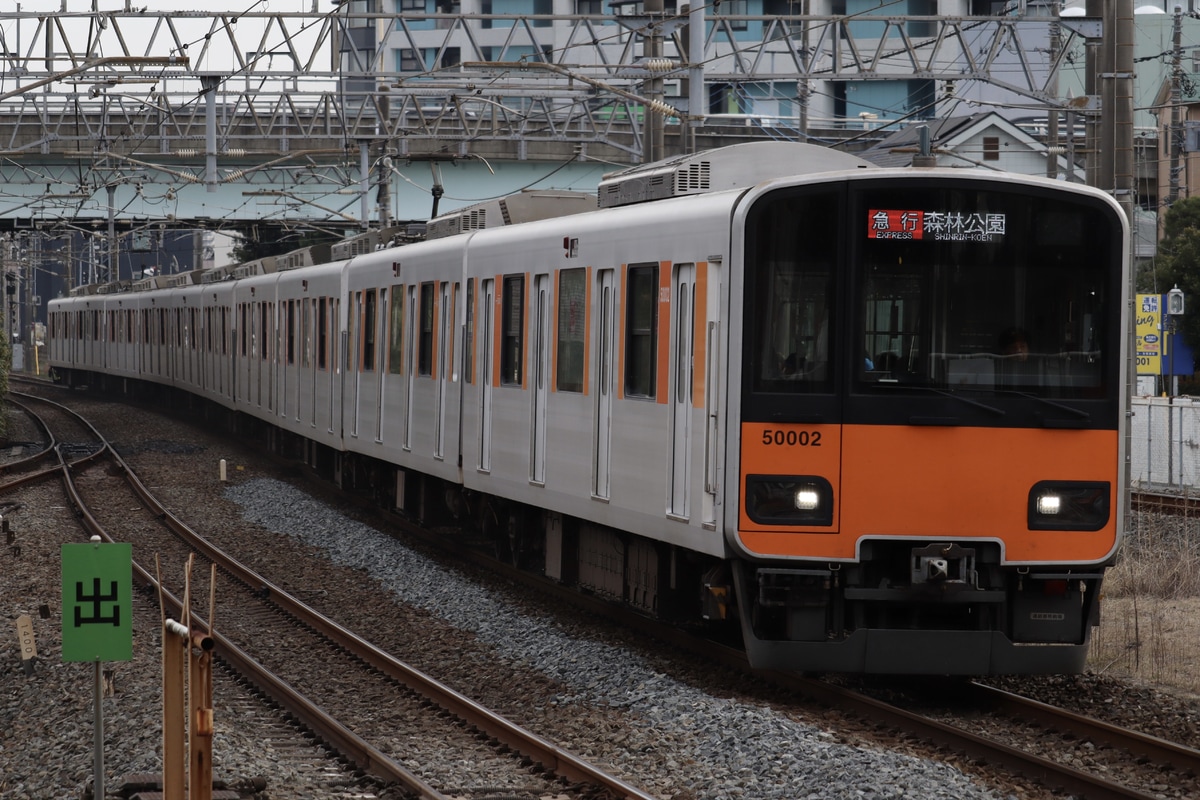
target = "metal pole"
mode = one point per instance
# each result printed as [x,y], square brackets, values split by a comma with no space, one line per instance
[97,735]
[1052,127]
[364,174]
[175,641]
[114,271]
[1176,107]
[1124,180]
[210,83]
[1095,67]
[697,97]
[654,123]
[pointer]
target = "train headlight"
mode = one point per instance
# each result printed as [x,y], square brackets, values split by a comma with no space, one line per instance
[1069,505]
[789,500]
[808,498]
[1049,503]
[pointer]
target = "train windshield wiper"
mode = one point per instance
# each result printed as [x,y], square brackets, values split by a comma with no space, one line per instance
[1053,404]
[945,392]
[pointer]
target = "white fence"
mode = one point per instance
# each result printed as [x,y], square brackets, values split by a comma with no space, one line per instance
[1165,442]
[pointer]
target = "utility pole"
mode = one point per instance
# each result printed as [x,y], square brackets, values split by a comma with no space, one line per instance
[1176,107]
[654,122]
[1052,126]
[1124,180]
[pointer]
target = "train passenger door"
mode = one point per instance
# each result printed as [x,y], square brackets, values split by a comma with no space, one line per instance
[605,381]
[444,350]
[354,358]
[332,333]
[488,327]
[712,368]
[541,369]
[255,387]
[681,395]
[381,340]
[411,322]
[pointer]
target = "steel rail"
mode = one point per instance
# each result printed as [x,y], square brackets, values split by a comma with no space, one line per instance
[340,738]
[1030,765]
[1179,757]
[527,743]
[534,747]
[44,454]
[1016,761]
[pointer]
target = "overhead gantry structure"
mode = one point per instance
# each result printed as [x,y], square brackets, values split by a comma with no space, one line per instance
[100,110]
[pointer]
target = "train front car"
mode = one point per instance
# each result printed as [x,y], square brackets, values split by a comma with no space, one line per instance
[932,402]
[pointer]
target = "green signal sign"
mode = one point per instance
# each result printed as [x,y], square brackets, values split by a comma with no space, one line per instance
[97,602]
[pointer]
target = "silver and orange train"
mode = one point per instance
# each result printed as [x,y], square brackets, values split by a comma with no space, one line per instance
[876,417]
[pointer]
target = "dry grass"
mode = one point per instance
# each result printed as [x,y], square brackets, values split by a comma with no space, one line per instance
[1150,616]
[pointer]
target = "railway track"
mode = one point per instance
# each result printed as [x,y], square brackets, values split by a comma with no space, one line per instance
[1185,502]
[1014,733]
[988,728]
[400,717]
[988,725]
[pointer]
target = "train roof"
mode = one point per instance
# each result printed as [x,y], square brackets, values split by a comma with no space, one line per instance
[527,205]
[737,166]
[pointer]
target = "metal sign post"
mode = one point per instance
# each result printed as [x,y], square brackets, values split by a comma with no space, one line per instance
[97,619]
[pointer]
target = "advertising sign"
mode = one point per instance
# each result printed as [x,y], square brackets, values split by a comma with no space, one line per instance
[1149,334]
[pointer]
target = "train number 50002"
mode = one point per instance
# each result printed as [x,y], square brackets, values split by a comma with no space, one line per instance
[792,438]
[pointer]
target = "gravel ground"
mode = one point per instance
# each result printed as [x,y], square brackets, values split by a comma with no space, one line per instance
[661,728]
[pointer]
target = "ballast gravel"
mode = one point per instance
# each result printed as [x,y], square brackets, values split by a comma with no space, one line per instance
[708,746]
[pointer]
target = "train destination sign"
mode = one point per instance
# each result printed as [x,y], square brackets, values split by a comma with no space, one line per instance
[941,226]
[97,602]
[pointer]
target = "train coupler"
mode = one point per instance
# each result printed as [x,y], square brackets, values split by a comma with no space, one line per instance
[943,563]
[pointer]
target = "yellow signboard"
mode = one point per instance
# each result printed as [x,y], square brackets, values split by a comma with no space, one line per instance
[1149,334]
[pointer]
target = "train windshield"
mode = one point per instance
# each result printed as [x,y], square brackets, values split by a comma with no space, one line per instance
[926,286]
[981,291]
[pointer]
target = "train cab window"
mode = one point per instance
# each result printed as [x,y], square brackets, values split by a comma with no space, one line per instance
[790,297]
[512,327]
[572,306]
[641,331]
[396,331]
[425,334]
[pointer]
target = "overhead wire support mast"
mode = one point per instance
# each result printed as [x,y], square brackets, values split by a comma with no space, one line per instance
[106,61]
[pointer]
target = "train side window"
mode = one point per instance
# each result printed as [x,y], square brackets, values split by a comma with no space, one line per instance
[396,331]
[368,332]
[291,331]
[264,330]
[323,333]
[572,322]
[305,332]
[512,327]
[243,328]
[641,331]
[425,334]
